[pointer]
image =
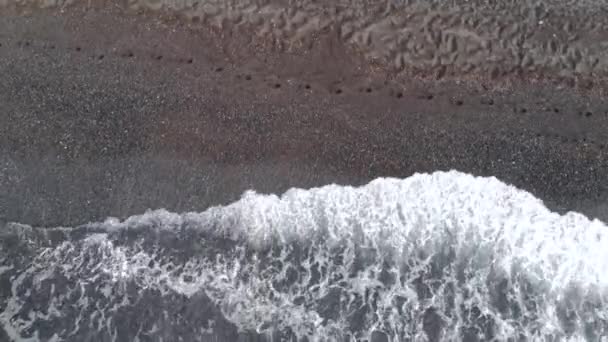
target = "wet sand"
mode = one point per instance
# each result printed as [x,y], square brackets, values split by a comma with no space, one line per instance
[109,113]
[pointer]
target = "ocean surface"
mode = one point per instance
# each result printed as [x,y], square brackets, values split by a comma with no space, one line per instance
[434,257]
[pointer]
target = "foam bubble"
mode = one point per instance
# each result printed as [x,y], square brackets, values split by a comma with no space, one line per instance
[437,256]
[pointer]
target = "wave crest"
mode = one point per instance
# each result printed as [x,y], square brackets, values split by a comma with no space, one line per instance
[442,256]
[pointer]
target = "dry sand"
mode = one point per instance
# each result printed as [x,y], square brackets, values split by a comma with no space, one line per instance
[112,107]
[457,37]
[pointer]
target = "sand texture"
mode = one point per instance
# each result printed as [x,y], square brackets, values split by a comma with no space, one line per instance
[107,112]
[492,39]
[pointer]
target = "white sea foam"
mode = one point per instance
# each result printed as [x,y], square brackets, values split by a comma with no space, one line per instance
[475,255]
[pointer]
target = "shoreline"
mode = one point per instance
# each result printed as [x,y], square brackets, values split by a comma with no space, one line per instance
[105,113]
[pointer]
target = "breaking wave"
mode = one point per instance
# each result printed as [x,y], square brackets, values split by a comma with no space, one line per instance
[433,257]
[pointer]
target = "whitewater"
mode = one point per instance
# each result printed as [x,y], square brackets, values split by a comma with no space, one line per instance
[445,256]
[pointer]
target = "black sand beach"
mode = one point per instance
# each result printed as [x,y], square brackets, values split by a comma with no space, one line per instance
[108,112]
